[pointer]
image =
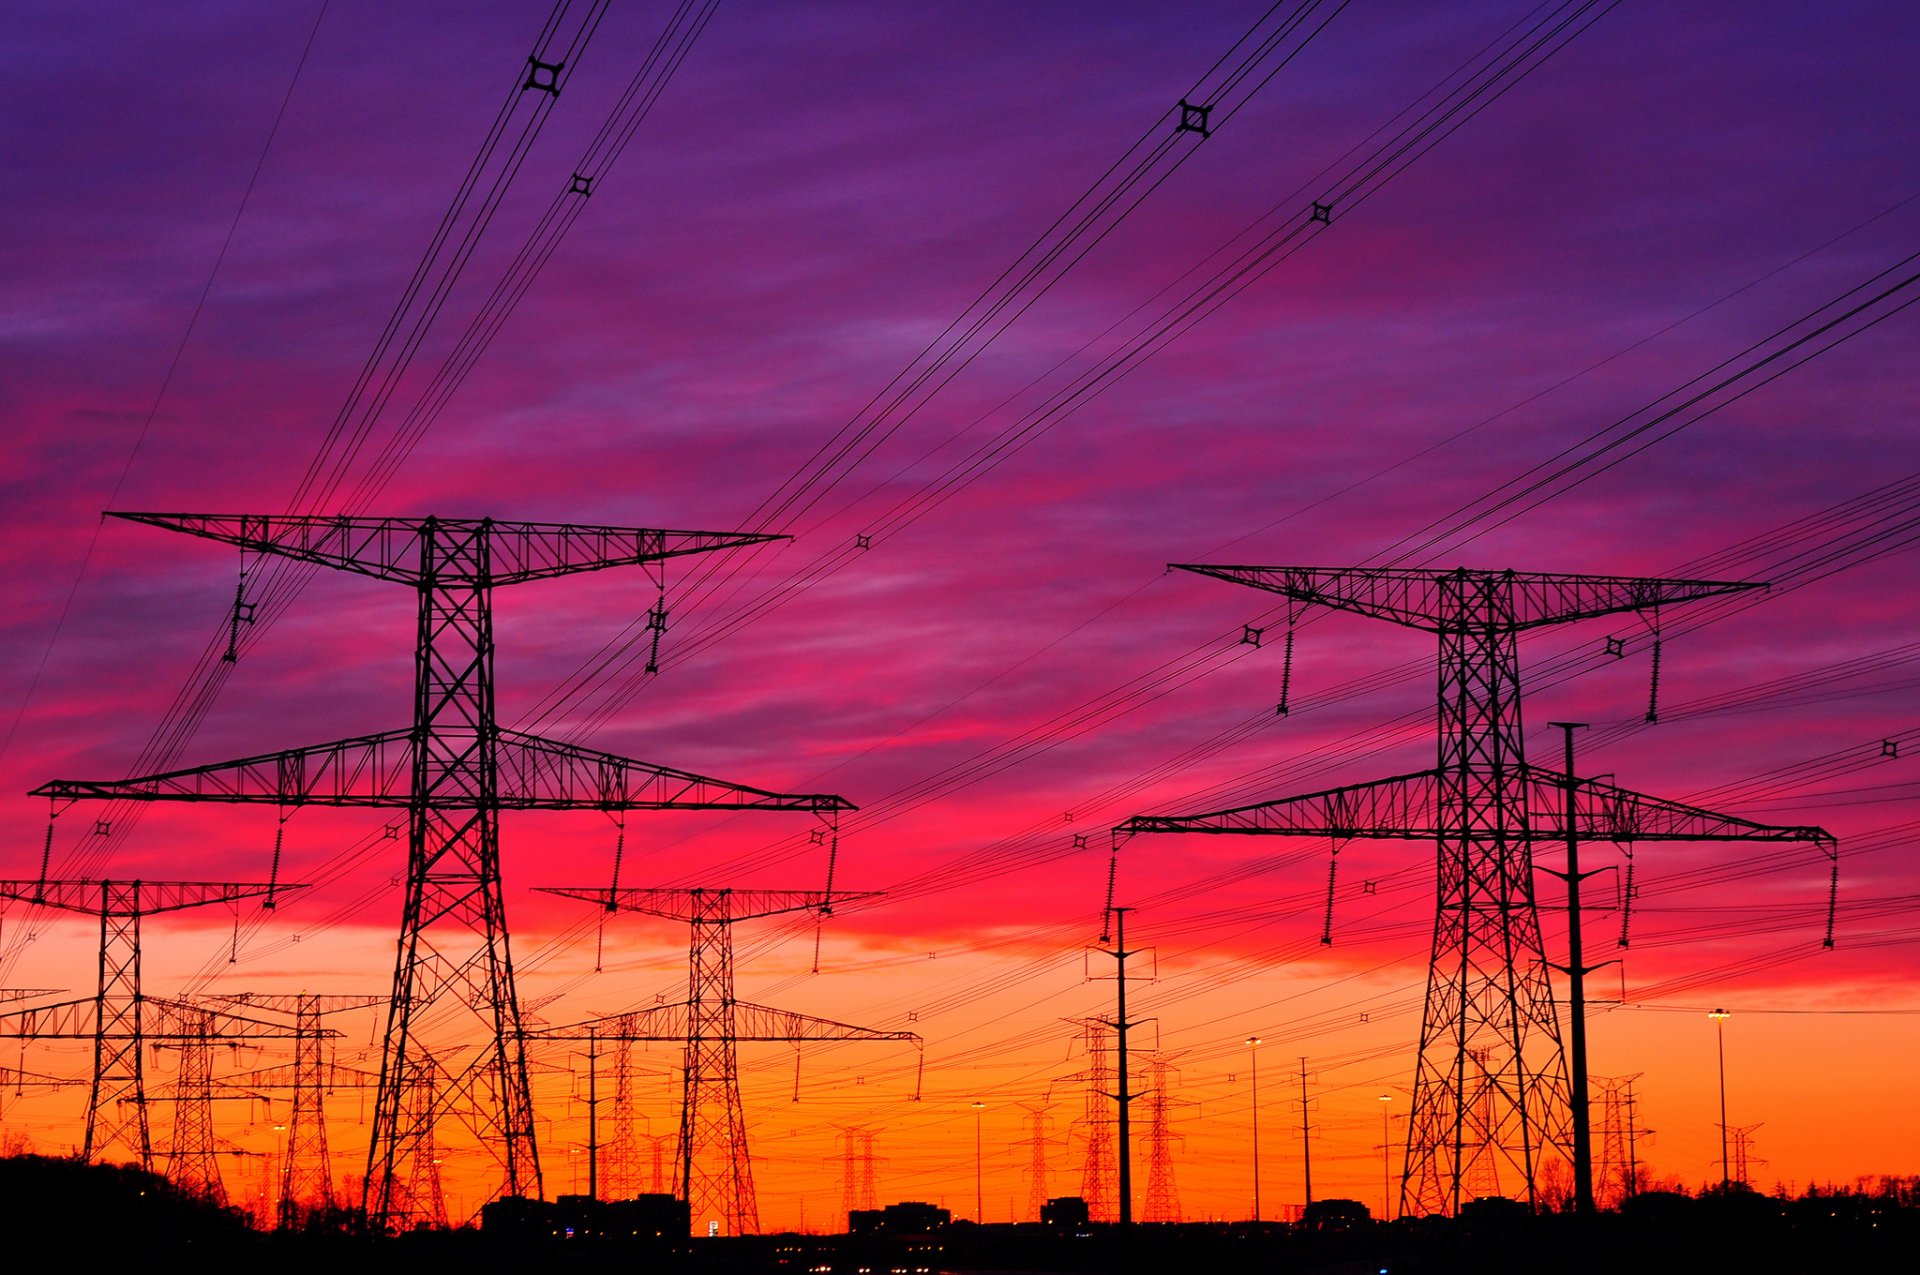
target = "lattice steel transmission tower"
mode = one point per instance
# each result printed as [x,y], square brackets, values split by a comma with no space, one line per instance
[714,1174]
[1036,1142]
[859,1188]
[1097,1175]
[1617,1177]
[1484,806]
[119,1018]
[453,770]
[306,1170]
[194,1164]
[1163,1197]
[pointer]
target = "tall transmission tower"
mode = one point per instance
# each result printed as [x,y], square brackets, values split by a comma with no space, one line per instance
[425,1195]
[119,1018]
[1163,1197]
[306,1169]
[859,1188]
[619,1178]
[1097,1185]
[714,1174]
[1616,1179]
[1488,992]
[194,1164]
[1036,1142]
[453,770]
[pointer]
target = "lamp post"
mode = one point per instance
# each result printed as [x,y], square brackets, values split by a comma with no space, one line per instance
[1386,1172]
[1719,1017]
[979,1196]
[1253,1054]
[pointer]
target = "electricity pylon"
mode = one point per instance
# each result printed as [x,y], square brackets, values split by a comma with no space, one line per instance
[116,1017]
[306,1171]
[1487,987]
[1097,1186]
[714,1174]
[1163,1197]
[453,770]
[859,1187]
[1036,1143]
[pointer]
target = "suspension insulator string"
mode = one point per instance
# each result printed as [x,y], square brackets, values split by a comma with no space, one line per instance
[1653,689]
[1833,894]
[619,852]
[1333,870]
[1106,913]
[242,613]
[1626,898]
[46,856]
[273,873]
[657,622]
[1286,671]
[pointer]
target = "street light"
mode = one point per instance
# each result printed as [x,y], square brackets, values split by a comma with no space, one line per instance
[1253,1053]
[979,1207]
[1719,1017]
[1386,1172]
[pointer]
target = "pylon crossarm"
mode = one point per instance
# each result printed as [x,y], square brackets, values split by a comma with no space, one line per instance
[753,1022]
[133,898]
[544,774]
[165,1020]
[1428,599]
[389,548]
[27,993]
[691,904]
[1605,812]
[366,770]
[287,1075]
[62,1020]
[1401,807]
[170,1019]
[300,1002]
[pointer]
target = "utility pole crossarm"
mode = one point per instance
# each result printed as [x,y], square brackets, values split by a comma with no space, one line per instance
[1402,807]
[1427,599]
[544,774]
[366,770]
[389,548]
[130,898]
[1605,812]
[686,905]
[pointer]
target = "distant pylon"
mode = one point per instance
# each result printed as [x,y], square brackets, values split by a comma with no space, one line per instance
[1163,1197]
[1743,1157]
[306,1170]
[1097,1176]
[453,769]
[426,1197]
[194,1165]
[116,1018]
[859,1188]
[1483,806]
[1037,1121]
[620,1169]
[1614,1180]
[715,1173]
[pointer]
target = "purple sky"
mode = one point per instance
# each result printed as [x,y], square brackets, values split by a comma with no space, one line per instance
[821,189]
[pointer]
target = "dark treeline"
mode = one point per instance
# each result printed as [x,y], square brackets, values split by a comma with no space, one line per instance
[95,1211]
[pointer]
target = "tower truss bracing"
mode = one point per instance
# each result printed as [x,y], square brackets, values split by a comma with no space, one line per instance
[1490,1094]
[453,769]
[1098,1174]
[1163,1196]
[714,1173]
[194,1164]
[119,1019]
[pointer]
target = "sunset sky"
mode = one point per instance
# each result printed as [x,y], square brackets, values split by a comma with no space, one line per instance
[1006,669]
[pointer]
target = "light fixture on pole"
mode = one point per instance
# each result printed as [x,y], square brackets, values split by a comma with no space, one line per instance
[1386,1171]
[1719,1017]
[1253,1053]
[979,1196]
